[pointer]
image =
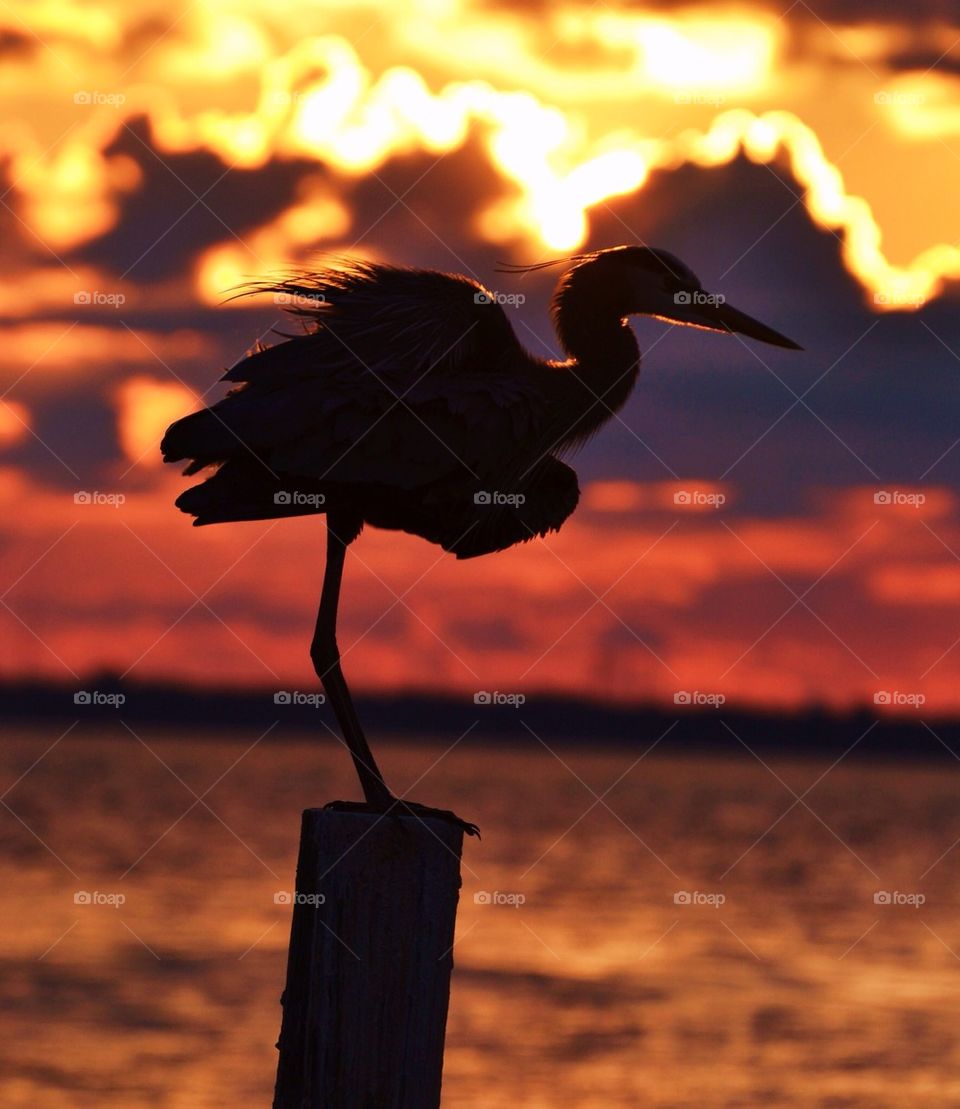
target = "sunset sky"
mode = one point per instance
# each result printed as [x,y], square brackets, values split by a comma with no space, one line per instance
[805,163]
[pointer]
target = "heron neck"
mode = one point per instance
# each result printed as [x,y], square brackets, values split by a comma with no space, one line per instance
[597,337]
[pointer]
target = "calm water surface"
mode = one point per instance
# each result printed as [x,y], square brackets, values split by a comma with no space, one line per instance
[781,981]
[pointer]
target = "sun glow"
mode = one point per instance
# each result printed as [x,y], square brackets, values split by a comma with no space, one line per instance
[611,99]
[145,408]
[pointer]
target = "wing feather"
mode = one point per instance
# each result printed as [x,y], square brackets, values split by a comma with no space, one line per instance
[404,375]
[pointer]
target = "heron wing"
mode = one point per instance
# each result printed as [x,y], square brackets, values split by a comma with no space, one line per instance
[388,323]
[402,376]
[331,429]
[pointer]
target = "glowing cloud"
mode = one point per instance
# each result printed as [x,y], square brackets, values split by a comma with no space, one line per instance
[14,423]
[144,408]
[615,97]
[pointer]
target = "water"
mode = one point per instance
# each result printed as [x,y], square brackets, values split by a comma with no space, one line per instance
[599,990]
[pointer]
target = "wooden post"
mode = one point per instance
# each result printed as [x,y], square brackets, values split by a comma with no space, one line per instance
[371,952]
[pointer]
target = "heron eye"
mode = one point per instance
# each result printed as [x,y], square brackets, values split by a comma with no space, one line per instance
[674,284]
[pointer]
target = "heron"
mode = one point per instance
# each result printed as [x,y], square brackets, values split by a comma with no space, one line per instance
[408,403]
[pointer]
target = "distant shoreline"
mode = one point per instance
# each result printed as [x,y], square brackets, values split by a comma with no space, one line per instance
[547,718]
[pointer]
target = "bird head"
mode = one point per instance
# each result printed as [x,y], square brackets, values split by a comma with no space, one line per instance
[656,283]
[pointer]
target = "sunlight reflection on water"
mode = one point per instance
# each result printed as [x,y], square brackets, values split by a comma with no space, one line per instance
[595,965]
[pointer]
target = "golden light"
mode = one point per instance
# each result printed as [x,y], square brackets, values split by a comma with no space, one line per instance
[916,584]
[219,45]
[613,496]
[73,350]
[145,407]
[611,99]
[315,218]
[14,423]
[694,54]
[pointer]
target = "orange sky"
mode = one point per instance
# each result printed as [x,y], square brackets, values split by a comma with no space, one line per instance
[153,156]
[636,597]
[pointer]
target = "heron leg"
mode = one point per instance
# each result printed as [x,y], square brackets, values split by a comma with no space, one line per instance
[325,655]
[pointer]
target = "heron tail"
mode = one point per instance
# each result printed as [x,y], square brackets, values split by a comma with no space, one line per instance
[244,489]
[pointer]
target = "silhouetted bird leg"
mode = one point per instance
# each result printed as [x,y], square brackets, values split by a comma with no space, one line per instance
[325,655]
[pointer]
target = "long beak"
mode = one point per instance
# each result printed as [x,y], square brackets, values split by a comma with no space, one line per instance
[734,320]
[724,317]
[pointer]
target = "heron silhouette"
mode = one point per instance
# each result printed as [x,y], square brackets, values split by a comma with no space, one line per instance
[409,404]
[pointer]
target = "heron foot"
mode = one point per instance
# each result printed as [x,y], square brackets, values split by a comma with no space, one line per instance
[396,806]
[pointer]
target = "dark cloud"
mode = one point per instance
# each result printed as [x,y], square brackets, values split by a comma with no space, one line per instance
[16,46]
[75,443]
[185,203]
[703,400]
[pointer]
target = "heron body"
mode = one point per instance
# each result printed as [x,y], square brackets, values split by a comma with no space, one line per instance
[408,403]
